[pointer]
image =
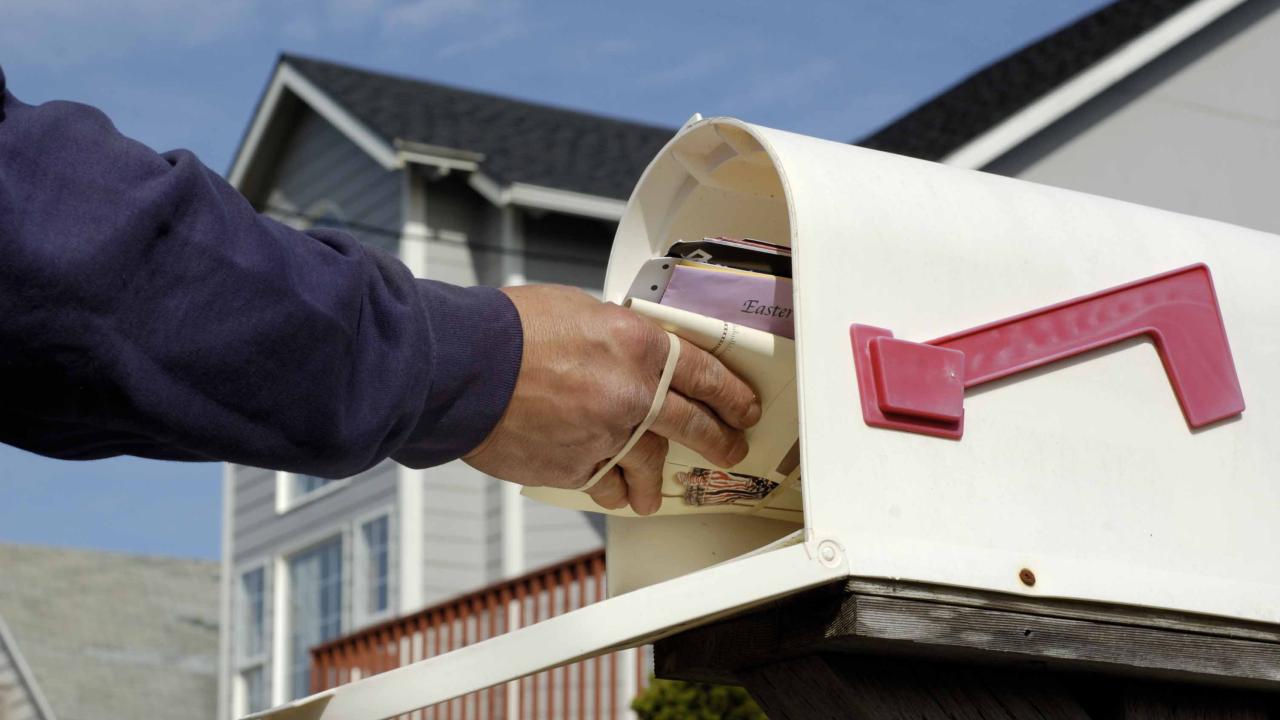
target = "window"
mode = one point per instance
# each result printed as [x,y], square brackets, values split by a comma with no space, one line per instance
[303,484]
[375,568]
[251,642]
[253,691]
[326,214]
[294,489]
[315,604]
[252,613]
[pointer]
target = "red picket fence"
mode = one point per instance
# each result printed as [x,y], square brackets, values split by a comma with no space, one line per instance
[597,689]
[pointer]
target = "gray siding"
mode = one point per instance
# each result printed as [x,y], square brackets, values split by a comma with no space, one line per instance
[1197,131]
[493,527]
[460,228]
[463,531]
[260,530]
[460,531]
[552,533]
[320,170]
[567,250]
[465,241]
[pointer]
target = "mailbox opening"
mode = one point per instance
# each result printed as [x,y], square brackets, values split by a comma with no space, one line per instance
[716,180]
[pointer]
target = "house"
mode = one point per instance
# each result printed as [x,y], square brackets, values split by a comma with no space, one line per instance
[1169,103]
[467,188]
[89,635]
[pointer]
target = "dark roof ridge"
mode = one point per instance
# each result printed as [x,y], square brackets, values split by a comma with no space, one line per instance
[526,102]
[522,141]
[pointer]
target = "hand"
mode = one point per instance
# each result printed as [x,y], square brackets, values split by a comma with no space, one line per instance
[587,379]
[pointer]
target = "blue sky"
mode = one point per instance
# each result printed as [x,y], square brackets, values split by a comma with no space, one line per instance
[187,73]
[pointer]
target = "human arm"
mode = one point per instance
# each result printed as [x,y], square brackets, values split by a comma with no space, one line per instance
[147,309]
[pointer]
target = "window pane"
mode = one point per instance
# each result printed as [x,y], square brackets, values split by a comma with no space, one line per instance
[330,219]
[303,484]
[315,583]
[376,566]
[252,612]
[255,690]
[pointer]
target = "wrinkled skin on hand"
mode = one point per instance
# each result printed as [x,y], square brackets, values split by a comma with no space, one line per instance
[587,379]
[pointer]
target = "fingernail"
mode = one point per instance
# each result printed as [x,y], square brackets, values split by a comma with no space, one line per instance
[739,451]
[754,412]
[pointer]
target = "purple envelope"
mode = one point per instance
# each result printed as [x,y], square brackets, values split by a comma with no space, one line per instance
[756,300]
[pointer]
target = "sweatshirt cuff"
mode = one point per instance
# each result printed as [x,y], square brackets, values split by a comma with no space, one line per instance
[476,342]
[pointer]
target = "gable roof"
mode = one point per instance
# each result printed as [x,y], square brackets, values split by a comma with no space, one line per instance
[108,635]
[518,141]
[1044,80]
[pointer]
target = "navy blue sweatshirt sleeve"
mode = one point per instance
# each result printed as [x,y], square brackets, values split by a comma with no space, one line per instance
[147,309]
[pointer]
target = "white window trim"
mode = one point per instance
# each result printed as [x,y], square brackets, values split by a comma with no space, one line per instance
[361,617]
[280,629]
[282,594]
[287,502]
[240,690]
[546,198]
[320,208]
[241,660]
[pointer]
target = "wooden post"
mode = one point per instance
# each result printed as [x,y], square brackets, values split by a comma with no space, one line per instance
[867,650]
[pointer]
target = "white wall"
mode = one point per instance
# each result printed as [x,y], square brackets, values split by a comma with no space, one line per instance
[1197,131]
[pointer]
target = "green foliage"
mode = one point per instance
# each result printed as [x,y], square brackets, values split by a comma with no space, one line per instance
[679,700]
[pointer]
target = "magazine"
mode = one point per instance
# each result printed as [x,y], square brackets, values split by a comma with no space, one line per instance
[752,299]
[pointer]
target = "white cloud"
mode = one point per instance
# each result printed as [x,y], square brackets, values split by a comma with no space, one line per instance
[70,32]
[301,29]
[419,16]
[354,8]
[615,46]
[66,33]
[697,66]
[494,37]
[792,84]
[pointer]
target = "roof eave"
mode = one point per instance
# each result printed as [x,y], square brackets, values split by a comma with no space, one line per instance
[287,79]
[442,158]
[540,197]
[397,153]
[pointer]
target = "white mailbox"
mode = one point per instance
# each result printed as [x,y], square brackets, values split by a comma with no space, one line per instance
[1100,454]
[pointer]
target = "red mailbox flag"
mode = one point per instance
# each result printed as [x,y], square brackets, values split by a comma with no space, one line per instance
[919,387]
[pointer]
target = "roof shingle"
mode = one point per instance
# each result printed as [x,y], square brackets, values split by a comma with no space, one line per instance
[986,98]
[521,141]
